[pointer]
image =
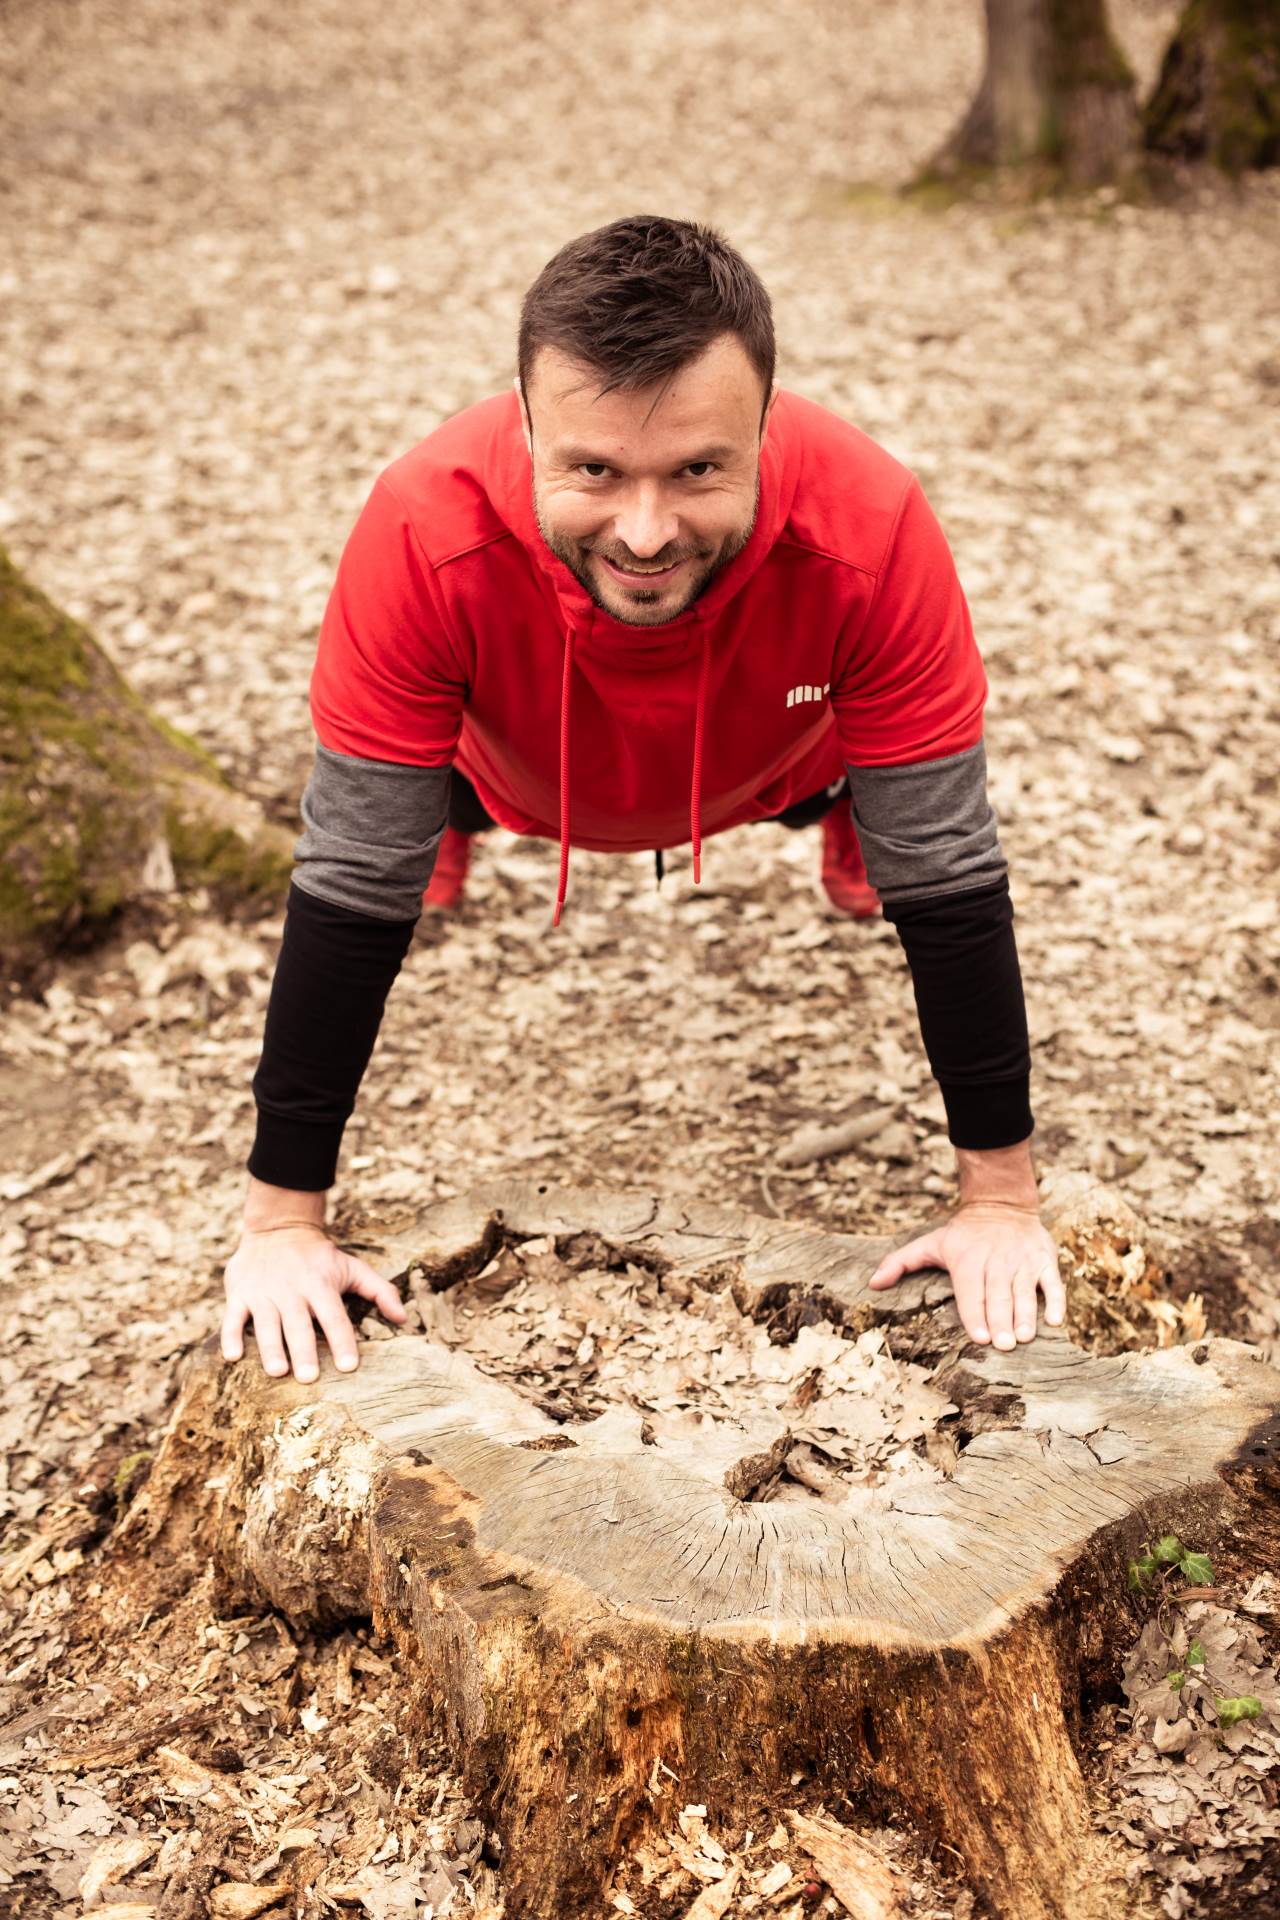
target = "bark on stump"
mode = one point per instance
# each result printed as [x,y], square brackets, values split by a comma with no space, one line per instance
[611,1632]
[1057,92]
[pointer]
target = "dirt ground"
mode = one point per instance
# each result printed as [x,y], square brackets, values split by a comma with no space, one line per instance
[251,255]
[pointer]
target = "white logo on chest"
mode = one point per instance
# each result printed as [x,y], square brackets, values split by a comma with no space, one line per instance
[798,695]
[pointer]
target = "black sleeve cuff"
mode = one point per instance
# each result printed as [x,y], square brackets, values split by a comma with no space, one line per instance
[994,1113]
[295,1153]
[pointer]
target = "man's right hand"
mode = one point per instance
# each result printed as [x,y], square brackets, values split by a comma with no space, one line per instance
[284,1278]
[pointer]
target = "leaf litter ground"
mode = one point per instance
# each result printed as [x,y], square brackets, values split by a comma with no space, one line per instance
[252,258]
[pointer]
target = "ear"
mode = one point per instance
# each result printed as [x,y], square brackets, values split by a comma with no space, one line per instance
[525,424]
[774,391]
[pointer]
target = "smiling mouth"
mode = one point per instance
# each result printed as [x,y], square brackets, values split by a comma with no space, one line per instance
[634,575]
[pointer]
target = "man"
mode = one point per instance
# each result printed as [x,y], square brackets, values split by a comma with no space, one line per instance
[646,597]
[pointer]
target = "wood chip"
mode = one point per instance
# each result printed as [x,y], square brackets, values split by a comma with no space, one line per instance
[858,1876]
[238,1900]
[713,1901]
[778,1876]
[111,1862]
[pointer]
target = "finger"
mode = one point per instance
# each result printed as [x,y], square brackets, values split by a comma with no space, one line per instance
[1025,1303]
[337,1329]
[233,1330]
[999,1291]
[970,1292]
[924,1252]
[1055,1293]
[300,1334]
[362,1279]
[266,1331]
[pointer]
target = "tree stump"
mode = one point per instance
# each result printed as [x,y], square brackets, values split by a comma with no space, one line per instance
[612,1631]
[101,802]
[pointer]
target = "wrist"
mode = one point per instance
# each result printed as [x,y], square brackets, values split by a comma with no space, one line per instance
[1002,1176]
[266,1206]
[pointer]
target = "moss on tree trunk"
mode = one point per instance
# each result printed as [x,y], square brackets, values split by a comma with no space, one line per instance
[1218,95]
[1057,97]
[101,802]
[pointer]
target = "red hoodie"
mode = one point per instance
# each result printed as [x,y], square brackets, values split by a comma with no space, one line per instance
[454,636]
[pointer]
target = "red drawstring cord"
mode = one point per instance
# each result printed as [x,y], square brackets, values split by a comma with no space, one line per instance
[695,792]
[564,777]
[699,726]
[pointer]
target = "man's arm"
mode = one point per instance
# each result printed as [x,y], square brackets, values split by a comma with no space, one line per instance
[387,694]
[932,850]
[908,695]
[371,831]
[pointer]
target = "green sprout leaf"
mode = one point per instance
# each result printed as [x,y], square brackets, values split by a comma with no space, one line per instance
[1195,1654]
[1197,1568]
[1168,1550]
[1137,1577]
[1243,1706]
[1176,1679]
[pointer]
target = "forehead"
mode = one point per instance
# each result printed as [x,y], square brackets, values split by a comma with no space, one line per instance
[715,400]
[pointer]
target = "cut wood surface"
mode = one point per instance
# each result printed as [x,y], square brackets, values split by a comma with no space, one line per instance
[605,1623]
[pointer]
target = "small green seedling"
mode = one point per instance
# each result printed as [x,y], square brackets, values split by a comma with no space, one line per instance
[1169,1554]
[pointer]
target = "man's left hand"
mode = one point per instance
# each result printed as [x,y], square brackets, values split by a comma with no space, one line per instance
[999,1258]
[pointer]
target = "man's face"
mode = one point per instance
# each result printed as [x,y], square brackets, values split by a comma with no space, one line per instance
[646,496]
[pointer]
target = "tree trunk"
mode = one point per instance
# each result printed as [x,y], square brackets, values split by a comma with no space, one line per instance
[1057,94]
[1218,95]
[614,1626]
[100,802]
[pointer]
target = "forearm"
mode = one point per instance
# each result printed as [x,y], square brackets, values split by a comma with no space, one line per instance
[963,958]
[933,853]
[335,970]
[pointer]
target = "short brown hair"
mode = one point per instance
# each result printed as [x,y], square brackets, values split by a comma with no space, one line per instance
[639,299]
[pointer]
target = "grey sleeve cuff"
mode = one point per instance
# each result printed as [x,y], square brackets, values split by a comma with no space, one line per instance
[370,833]
[927,829]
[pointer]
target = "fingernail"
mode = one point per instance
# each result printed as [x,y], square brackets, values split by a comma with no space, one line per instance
[1004,1341]
[981,1333]
[347,1362]
[1026,1333]
[305,1374]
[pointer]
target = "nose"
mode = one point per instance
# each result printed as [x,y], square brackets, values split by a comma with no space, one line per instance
[645,524]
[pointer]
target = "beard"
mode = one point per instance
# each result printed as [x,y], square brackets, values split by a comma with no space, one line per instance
[706,568]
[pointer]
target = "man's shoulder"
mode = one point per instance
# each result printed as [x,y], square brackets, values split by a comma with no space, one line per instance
[849,489]
[445,482]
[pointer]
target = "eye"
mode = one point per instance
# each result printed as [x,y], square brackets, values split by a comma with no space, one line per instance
[701,468]
[594,469]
